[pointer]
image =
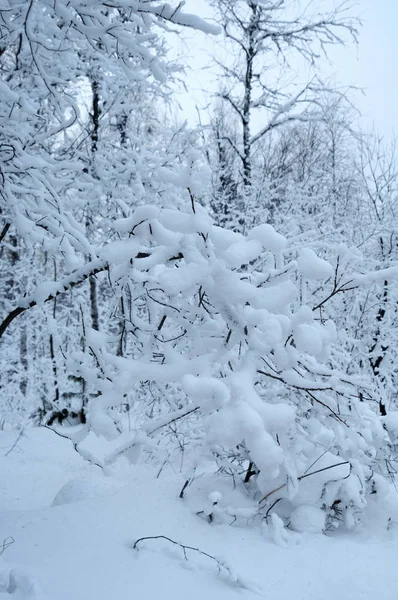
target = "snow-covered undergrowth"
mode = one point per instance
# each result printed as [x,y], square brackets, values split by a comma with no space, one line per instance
[233,359]
[211,352]
[82,545]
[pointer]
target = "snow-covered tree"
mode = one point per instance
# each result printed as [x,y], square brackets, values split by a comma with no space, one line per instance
[224,342]
[264,43]
[63,173]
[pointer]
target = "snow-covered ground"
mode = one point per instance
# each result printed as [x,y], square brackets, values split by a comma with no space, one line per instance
[74,530]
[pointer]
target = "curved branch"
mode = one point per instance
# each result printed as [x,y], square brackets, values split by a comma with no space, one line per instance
[64,286]
[89,270]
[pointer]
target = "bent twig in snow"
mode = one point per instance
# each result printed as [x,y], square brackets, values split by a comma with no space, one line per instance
[6,544]
[222,566]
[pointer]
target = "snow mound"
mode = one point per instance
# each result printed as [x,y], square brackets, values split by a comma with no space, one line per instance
[19,585]
[84,549]
[85,488]
[307,519]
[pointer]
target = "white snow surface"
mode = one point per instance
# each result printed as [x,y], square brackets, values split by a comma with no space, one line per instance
[83,548]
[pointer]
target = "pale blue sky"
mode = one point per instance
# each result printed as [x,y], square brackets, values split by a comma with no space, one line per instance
[372,65]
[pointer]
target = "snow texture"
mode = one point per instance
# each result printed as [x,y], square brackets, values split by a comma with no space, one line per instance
[84,549]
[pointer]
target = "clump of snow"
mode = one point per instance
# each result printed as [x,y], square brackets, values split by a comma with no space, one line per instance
[278,418]
[307,339]
[223,238]
[312,267]
[278,532]
[391,423]
[242,253]
[44,290]
[269,238]
[101,422]
[186,221]
[174,281]
[190,177]
[120,251]
[141,215]
[304,314]
[215,497]
[276,298]
[208,392]
[308,519]
[312,337]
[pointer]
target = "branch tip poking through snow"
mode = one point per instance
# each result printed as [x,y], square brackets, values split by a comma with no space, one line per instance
[224,569]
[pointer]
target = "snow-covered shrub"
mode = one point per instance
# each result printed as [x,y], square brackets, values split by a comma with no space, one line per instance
[219,318]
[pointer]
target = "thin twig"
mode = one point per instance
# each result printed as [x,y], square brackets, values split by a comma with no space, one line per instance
[221,566]
[183,546]
[346,462]
[6,544]
[192,200]
[15,443]
[189,412]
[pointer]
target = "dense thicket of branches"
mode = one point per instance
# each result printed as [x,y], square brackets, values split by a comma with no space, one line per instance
[129,312]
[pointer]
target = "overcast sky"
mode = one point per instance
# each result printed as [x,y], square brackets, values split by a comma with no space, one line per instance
[372,65]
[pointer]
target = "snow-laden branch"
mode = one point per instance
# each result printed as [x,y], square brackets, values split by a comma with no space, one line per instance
[48,291]
[176,16]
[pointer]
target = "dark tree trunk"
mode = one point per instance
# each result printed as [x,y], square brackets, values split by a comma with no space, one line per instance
[377,347]
[52,347]
[95,119]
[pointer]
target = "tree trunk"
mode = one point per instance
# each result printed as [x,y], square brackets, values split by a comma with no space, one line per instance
[52,347]
[95,119]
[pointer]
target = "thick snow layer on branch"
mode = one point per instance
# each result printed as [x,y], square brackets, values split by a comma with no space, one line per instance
[269,238]
[175,15]
[277,298]
[142,214]
[312,267]
[223,238]
[120,251]
[242,253]
[186,221]
[381,275]
[209,393]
